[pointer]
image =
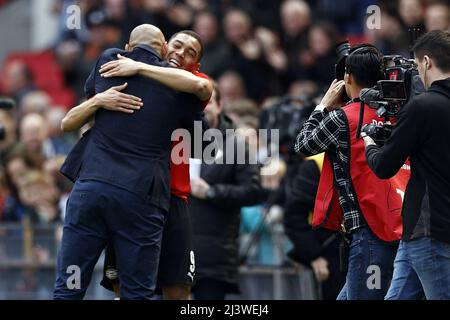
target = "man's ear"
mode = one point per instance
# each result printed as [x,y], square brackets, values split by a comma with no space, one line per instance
[348,78]
[164,50]
[127,47]
[428,62]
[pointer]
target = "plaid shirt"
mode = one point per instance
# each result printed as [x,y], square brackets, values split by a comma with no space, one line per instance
[327,132]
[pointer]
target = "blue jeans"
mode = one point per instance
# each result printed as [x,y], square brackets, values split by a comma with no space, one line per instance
[96,213]
[429,259]
[405,283]
[370,267]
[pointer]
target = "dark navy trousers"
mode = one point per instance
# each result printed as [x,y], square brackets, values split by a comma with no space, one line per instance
[98,212]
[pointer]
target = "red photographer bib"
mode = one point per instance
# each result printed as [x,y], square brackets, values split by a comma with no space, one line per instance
[379,200]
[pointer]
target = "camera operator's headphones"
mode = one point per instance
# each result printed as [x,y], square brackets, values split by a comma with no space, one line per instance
[382,73]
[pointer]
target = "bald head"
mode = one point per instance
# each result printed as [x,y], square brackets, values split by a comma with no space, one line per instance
[149,35]
[295,16]
[33,131]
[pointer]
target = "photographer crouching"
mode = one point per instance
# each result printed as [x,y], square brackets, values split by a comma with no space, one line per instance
[350,198]
[422,133]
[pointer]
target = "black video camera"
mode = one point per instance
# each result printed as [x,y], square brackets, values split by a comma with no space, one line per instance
[386,97]
[389,96]
[378,133]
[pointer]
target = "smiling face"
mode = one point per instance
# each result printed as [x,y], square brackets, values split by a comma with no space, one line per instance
[184,52]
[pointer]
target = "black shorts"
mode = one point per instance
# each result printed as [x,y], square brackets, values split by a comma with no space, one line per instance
[176,262]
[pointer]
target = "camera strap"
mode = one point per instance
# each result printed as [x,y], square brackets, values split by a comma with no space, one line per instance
[361,117]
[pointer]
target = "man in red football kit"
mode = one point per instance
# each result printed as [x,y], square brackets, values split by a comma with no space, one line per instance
[177,263]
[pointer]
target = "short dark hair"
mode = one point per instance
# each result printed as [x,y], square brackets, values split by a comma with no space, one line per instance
[365,64]
[193,34]
[436,45]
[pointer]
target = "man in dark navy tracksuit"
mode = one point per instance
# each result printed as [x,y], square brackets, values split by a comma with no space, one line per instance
[122,192]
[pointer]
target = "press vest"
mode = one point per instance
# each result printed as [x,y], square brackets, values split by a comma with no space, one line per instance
[378,200]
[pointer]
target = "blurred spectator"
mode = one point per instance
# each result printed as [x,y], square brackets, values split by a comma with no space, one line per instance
[35,140]
[273,53]
[115,9]
[238,30]
[180,15]
[306,88]
[17,165]
[411,13]
[437,16]
[62,143]
[197,5]
[348,16]
[260,228]
[218,193]
[247,129]
[18,80]
[105,32]
[30,192]
[167,15]
[132,16]
[320,61]
[34,102]
[9,143]
[216,52]
[295,20]
[238,109]
[247,56]
[264,12]
[37,191]
[248,122]
[232,87]
[68,53]
[121,13]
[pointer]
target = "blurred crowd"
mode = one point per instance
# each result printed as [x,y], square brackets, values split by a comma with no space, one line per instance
[270,59]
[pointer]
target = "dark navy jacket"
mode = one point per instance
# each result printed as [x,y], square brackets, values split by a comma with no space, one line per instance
[132,151]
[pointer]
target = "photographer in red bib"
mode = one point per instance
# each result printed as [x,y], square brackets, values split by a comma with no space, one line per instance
[351,198]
